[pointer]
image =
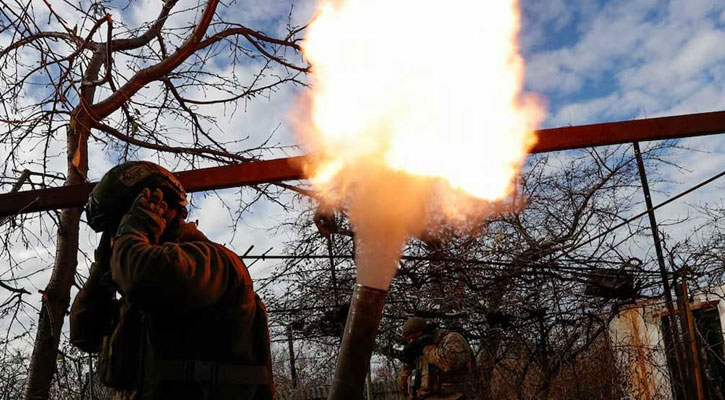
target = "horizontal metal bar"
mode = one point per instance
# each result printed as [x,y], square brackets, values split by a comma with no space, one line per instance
[285,169]
[197,180]
[641,130]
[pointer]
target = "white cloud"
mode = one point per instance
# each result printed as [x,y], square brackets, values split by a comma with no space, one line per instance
[680,67]
[709,97]
[636,59]
[145,11]
[693,10]
[544,74]
[639,56]
[546,18]
[626,42]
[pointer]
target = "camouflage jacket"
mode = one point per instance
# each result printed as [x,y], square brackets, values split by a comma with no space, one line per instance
[445,370]
[197,303]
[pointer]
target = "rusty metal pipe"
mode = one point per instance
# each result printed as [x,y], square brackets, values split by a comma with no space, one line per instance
[268,171]
[353,362]
[196,180]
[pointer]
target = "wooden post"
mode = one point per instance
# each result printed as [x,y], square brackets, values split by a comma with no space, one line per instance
[333,272]
[369,387]
[690,340]
[291,347]
[90,377]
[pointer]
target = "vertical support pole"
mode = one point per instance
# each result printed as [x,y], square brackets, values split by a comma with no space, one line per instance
[291,347]
[369,386]
[333,271]
[688,330]
[681,372]
[90,376]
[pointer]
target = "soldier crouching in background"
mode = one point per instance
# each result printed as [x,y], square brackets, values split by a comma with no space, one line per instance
[188,324]
[438,364]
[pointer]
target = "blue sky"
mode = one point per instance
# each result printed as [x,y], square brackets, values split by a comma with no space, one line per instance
[597,61]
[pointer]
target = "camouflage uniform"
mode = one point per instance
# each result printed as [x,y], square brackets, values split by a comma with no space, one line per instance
[189,324]
[445,367]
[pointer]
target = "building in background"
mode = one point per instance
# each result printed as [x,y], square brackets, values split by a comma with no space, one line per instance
[638,335]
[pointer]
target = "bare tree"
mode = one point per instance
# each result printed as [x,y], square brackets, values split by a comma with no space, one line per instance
[12,375]
[519,287]
[700,257]
[71,70]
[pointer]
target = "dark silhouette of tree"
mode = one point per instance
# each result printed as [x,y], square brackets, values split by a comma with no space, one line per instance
[518,286]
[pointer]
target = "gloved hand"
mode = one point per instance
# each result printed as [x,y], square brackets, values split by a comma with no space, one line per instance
[146,216]
[411,351]
[425,340]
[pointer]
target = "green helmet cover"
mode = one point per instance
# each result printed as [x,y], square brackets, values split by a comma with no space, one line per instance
[112,196]
[414,325]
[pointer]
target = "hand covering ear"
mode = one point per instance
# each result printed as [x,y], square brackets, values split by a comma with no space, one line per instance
[146,216]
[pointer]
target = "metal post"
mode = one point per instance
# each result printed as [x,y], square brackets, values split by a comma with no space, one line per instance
[674,331]
[291,347]
[333,272]
[688,330]
[269,171]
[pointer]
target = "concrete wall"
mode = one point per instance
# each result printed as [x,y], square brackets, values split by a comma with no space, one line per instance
[636,334]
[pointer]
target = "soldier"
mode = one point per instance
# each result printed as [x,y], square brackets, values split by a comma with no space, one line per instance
[188,324]
[438,364]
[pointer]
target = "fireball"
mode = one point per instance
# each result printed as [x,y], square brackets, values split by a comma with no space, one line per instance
[414,103]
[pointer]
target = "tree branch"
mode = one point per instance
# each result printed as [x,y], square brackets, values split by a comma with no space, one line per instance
[141,78]
[211,154]
[152,32]
[38,36]
[243,30]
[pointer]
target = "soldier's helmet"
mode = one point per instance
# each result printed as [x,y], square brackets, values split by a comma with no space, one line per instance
[114,193]
[414,325]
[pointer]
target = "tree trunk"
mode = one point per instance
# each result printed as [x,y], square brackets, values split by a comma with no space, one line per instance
[56,296]
[56,299]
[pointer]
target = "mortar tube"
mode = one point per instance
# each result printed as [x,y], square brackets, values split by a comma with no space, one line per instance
[361,327]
